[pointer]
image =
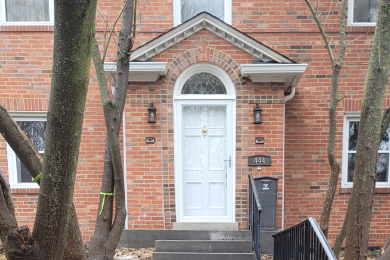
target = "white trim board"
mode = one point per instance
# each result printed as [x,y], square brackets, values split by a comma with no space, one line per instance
[214,25]
[138,71]
[289,74]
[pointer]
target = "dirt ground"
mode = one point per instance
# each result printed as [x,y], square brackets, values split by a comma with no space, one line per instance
[131,253]
[147,254]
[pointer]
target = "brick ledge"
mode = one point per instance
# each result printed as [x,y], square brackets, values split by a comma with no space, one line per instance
[376,191]
[26,28]
[25,190]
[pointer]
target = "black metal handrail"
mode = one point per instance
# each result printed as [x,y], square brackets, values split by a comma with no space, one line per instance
[303,241]
[254,216]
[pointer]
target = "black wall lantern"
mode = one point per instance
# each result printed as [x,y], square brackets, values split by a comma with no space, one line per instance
[257,114]
[152,113]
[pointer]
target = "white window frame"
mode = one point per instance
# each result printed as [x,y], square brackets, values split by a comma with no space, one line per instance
[355,116]
[4,22]
[11,156]
[177,12]
[350,16]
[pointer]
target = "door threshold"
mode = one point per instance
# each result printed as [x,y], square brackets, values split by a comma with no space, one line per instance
[205,226]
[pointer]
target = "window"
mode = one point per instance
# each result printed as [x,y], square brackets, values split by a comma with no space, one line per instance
[34,125]
[363,12]
[203,83]
[351,127]
[27,12]
[186,9]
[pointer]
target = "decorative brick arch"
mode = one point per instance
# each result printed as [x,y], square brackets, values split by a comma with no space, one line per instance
[193,56]
[176,67]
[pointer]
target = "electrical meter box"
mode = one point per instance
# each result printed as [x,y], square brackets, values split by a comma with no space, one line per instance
[267,189]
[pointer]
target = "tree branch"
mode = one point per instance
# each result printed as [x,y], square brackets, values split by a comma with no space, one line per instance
[338,100]
[7,195]
[18,242]
[20,143]
[322,32]
[386,250]
[336,68]
[112,30]
[113,172]
[341,236]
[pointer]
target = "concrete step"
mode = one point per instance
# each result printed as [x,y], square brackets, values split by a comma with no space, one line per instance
[202,256]
[204,246]
[137,238]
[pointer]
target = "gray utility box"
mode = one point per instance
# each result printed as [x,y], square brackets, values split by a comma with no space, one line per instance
[267,189]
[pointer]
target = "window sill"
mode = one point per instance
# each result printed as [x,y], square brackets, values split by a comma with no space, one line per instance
[360,28]
[376,191]
[25,190]
[26,28]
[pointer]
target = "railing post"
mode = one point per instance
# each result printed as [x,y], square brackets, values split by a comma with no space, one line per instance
[254,216]
[258,233]
[307,241]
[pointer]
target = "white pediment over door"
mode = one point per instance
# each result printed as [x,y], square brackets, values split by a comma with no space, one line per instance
[211,23]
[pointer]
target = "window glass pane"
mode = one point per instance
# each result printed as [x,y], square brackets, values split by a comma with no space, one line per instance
[23,175]
[27,10]
[351,166]
[190,8]
[382,167]
[353,135]
[203,83]
[384,145]
[36,131]
[365,11]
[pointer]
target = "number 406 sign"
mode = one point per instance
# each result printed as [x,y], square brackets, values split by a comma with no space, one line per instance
[259,160]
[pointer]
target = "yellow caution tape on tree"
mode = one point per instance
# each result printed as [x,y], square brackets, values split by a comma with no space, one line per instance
[37,177]
[104,199]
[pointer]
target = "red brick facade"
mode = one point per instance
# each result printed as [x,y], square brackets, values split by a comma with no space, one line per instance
[295,132]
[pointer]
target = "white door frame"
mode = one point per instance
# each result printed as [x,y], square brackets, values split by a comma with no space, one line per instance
[229,100]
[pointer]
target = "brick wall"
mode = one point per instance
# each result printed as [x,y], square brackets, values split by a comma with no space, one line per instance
[287,27]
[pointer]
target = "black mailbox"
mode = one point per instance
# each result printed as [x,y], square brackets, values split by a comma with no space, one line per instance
[267,189]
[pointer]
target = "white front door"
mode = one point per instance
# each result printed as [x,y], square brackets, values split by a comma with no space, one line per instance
[205,160]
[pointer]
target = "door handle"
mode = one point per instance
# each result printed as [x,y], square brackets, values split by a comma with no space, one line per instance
[230,161]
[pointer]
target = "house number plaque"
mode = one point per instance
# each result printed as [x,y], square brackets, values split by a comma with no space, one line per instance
[259,160]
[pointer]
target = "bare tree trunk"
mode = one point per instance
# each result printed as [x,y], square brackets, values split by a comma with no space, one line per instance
[341,236]
[386,248]
[74,31]
[101,247]
[359,220]
[336,68]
